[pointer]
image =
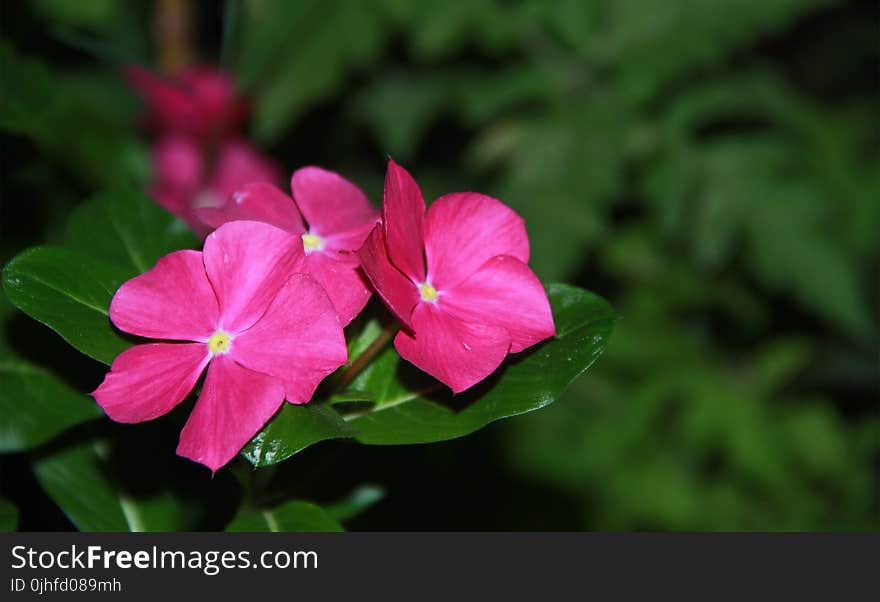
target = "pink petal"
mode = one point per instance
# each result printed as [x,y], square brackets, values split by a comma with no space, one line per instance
[504,292]
[403,213]
[331,204]
[399,294]
[177,176]
[459,354]
[177,165]
[348,240]
[298,340]
[146,381]
[173,300]
[171,107]
[234,404]
[341,277]
[240,163]
[464,229]
[247,263]
[258,202]
[213,93]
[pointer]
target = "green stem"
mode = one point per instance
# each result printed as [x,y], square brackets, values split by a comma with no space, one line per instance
[364,359]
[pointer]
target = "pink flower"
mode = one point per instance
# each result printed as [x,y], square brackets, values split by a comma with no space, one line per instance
[338,217]
[185,180]
[264,333]
[457,279]
[201,102]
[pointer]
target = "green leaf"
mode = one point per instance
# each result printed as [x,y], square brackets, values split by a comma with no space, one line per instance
[411,407]
[290,55]
[82,14]
[70,293]
[50,108]
[37,406]
[290,516]
[127,228]
[78,478]
[8,515]
[294,428]
[689,36]
[360,500]
[579,176]
[407,413]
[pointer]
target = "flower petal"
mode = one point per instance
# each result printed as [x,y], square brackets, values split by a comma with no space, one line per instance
[177,176]
[330,203]
[464,229]
[173,300]
[234,404]
[403,214]
[341,277]
[213,94]
[146,381]
[247,263]
[298,340]
[177,164]
[258,202]
[399,294]
[350,240]
[240,163]
[459,354]
[504,292]
[170,106]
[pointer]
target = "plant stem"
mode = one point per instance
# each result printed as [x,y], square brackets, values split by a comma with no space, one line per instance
[172,22]
[364,359]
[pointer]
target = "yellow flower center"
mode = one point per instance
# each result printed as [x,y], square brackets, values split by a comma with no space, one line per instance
[428,292]
[219,342]
[312,242]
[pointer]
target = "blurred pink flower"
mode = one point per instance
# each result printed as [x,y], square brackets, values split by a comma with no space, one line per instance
[185,179]
[264,332]
[457,279]
[338,219]
[201,102]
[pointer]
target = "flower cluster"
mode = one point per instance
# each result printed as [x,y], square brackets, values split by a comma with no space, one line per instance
[263,306]
[199,157]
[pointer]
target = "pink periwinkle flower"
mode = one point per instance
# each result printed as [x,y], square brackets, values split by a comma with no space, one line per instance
[328,216]
[457,279]
[201,101]
[186,178]
[264,332]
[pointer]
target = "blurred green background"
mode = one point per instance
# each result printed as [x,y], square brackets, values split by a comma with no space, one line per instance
[711,168]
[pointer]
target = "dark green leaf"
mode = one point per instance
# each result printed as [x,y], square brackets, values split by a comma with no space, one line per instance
[50,109]
[8,515]
[412,409]
[293,429]
[290,54]
[290,516]
[70,293]
[37,406]
[689,35]
[125,227]
[361,499]
[79,480]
